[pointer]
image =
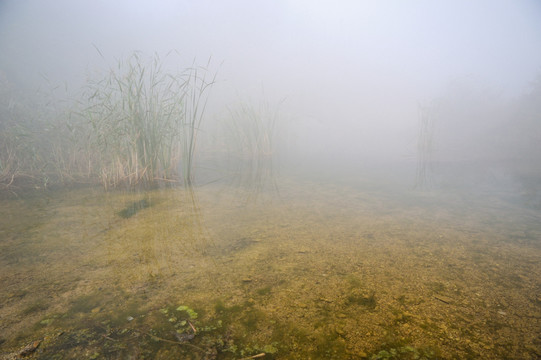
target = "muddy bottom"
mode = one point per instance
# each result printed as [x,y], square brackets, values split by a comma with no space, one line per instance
[302,271]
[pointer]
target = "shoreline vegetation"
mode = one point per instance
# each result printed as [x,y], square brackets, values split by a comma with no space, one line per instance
[139,125]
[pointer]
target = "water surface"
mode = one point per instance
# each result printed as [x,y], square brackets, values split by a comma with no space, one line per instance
[299,270]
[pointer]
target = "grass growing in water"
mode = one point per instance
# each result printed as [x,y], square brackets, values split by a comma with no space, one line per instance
[425,146]
[145,121]
[36,146]
[251,131]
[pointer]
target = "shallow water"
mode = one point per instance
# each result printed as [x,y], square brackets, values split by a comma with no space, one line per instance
[300,270]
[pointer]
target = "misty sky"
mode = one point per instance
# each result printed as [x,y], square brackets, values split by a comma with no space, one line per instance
[357,67]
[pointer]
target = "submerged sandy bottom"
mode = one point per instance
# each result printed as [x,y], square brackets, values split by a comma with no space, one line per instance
[301,271]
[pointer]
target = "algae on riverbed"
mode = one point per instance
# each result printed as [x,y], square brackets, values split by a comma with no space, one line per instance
[323,276]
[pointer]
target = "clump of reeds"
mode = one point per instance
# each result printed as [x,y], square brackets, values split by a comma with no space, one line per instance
[425,146]
[27,136]
[139,125]
[14,131]
[252,129]
[196,97]
[250,138]
[145,120]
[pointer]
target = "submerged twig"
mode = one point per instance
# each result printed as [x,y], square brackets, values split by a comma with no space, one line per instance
[109,338]
[193,327]
[175,342]
[254,356]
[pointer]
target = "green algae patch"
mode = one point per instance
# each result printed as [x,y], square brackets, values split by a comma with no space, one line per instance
[191,313]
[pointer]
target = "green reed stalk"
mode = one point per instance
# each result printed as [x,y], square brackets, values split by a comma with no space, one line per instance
[190,121]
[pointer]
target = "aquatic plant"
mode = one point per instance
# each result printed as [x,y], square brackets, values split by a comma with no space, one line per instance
[138,124]
[190,312]
[425,145]
[31,133]
[145,121]
[251,131]
[17,155]
[192,116]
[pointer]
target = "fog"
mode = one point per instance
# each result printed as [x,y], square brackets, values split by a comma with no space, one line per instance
[348,77]
[280,179]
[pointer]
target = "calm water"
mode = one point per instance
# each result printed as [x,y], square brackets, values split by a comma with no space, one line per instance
[301,270]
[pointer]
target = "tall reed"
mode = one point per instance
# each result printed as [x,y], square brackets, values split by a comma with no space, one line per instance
[196,98]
